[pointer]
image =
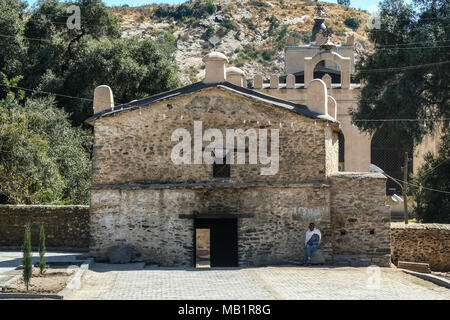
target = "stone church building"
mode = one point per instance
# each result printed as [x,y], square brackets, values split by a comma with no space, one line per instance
[143,198]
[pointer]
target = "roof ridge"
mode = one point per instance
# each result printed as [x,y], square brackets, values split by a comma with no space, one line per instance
[264,98]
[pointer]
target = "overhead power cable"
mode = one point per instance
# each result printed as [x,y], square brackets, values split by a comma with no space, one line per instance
[53,93]
[405,67]
[420,186]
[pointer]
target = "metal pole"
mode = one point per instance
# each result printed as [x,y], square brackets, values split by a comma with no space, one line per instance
[405,179]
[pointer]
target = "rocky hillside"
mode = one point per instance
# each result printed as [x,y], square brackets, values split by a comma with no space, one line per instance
[252,33]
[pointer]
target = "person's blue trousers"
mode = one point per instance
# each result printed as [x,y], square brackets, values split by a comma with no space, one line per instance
[309,249]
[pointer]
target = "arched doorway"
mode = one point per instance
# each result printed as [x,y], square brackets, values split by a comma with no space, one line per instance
[344,64]
[322,68]
[387,151]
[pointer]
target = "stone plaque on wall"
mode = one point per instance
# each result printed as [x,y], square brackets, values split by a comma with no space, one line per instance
[310,214]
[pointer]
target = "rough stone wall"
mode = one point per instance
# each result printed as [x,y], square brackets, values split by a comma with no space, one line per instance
[357,143]
[332,147]
[427,243]
[139,194]
[272,221]
[65,226]
[136,146]
[359,218]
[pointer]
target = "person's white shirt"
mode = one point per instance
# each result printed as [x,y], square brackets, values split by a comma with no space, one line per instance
[309,233]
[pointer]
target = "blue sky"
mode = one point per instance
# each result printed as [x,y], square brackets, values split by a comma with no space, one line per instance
[359,4]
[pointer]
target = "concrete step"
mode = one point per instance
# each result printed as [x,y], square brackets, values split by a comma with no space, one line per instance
[414,266]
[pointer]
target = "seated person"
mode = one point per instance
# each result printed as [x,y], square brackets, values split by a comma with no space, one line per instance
[312,240]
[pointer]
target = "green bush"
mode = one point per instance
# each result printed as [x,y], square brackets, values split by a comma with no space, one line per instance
[250,51]
[282,33]
[176,12]
[210,7]
[241,58]
[268,55]
[352,23]
[210,31]
[341,32]
[258,3]
[196,9]
[274,24]
[228,24]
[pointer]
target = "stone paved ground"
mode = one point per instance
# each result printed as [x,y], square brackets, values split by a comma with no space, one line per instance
[10,260]
[134,281]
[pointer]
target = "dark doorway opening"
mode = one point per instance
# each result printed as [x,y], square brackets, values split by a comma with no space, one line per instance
[223,251]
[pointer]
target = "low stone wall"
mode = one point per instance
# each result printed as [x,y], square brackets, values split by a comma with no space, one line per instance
[427,243]
[65,226]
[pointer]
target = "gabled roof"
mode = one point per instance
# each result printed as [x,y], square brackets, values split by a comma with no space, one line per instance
[252,94]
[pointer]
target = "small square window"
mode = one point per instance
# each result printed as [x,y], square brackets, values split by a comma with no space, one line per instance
[221,170]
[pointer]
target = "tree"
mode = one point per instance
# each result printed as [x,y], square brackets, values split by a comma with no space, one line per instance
[27,259]
[133,68]
[42,250]
[406,77]
[434,205]
[11,39]
[44,152]
[43,158]
[51,62]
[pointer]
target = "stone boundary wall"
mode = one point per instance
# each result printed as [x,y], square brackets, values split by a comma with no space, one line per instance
[427,243]
[65,226]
